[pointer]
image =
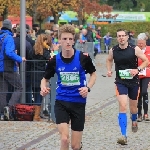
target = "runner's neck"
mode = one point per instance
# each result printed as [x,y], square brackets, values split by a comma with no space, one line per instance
[67,53]
[124,46]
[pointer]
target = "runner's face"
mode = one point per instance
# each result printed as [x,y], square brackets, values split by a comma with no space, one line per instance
[141,44]
[66,41]
[122,37]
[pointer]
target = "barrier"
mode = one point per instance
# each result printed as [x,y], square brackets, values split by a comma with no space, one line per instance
[11,87]
[87,47]
[32,85]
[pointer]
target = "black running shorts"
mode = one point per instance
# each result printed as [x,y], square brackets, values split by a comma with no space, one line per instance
[66,111]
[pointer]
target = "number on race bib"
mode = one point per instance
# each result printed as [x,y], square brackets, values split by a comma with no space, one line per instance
[70,78]
[125,74]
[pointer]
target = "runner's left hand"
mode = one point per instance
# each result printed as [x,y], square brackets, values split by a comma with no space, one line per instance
[83,91]
[133,72]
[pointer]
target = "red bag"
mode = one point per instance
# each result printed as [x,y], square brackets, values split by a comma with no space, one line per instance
[24,112]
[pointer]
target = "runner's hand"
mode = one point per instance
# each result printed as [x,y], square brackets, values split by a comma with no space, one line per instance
[133,72]
[109,73]
[44,91]
[83,91]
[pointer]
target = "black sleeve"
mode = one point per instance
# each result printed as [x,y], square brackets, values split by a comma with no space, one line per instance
[29,51]
[50,68]
[87,63]
[46,54]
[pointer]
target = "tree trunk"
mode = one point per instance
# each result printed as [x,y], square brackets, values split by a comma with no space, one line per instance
[56,18]
[5,14]
[83,21]
[34,12]
[80,21]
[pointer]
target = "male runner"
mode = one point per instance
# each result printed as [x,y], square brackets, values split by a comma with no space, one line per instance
[127,82]
[70,65]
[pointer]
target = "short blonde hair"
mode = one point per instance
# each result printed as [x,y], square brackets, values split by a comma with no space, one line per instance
[67,28]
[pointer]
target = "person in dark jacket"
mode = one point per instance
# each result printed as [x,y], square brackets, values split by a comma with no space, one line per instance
[40,56]
[90,34]
[29,50]
[8,70]
[148,39]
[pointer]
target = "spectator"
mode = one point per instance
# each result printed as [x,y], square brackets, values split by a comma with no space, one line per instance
[107,42]
[131,40]
[40,55]
[8,70]
[99,37]
[83,36]
[147,39]
[29,50]
[37,29]
[29,39]
[99,31]
[90,34]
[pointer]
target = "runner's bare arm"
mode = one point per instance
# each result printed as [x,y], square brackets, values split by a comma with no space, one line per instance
[109,60]
[139,54]
[44,89]
[92,80]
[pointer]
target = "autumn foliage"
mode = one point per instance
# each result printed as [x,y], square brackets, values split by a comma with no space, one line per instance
[84,8]
[40,9]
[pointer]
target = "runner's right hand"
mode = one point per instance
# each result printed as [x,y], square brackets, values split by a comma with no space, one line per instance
[109,73]
[44,91]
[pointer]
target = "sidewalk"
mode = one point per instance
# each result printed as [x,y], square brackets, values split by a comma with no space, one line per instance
[101,127]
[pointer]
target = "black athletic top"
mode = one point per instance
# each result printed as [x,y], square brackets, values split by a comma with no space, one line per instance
[125,59]
[85,61]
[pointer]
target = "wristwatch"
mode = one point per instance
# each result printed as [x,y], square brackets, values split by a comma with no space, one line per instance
[89,90]
[139,69]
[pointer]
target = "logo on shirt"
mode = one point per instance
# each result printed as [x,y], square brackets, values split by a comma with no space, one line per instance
[75,68]
[61,69]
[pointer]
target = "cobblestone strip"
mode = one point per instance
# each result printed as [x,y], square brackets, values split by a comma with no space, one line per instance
[54,138]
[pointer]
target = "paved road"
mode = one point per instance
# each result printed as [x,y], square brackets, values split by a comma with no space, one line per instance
[101,127]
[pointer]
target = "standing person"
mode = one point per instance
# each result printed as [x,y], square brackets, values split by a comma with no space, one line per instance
[29,49]
[127,81]
[8,70]
[99,37]
[40,56]
[107,42]
[71,66]
[147,39]
[144,79]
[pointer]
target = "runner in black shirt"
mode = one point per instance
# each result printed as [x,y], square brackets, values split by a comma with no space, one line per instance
[127,82]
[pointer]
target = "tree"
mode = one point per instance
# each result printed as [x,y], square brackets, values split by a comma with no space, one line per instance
[4,8]
[143,5]
[84,8]
[40,9]
[127,5]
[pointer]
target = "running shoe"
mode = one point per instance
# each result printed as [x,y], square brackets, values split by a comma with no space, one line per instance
[145,117]
[122,140]
[139,119]
[134,126]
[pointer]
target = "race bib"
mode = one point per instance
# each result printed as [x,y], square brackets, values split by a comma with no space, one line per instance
[125,74]
[143,72]
[70,78]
